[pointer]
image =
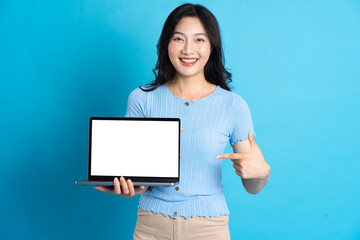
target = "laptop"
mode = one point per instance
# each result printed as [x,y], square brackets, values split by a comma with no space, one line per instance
[146,150]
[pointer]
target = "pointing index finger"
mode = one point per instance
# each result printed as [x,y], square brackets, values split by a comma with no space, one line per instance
[225,155]
[231,155]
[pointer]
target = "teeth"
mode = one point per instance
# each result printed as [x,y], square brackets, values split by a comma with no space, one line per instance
[188,60]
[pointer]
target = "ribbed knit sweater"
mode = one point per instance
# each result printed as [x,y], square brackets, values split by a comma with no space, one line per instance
[207,125]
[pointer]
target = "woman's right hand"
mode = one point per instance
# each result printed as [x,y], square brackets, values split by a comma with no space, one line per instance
[128,189]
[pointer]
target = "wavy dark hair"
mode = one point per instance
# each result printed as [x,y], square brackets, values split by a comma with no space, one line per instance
[214,69]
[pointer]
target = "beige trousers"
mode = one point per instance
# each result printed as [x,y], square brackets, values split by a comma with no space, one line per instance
[151,226]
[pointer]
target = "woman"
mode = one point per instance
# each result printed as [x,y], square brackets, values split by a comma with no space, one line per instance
[191,84]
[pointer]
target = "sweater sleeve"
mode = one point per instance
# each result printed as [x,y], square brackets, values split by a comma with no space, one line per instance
[136,104]
[241,120]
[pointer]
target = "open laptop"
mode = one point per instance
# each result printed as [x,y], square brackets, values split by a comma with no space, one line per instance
[146,150]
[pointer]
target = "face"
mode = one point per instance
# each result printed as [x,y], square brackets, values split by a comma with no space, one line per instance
[189,48]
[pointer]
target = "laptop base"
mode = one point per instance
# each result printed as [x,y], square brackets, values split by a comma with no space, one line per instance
[112,183]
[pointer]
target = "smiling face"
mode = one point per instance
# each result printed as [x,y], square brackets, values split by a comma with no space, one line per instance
[189,48]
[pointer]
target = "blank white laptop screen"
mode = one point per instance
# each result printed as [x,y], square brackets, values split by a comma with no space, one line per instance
[134,148]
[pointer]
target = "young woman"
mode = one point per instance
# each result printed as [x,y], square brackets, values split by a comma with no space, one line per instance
[191,84]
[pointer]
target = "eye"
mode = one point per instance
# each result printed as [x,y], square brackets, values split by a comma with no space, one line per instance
[177,39]
[200,40]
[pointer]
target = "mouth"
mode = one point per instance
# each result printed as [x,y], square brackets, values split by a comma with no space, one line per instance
[188,61]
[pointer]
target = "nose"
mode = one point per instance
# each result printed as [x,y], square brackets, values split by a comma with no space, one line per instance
[188,48]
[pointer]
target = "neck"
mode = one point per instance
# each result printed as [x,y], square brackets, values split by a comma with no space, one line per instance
[189,85]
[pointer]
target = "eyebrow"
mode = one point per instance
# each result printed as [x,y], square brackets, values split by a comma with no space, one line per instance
[194,34]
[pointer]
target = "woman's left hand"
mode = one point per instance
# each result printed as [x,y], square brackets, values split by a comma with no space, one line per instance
[251,164]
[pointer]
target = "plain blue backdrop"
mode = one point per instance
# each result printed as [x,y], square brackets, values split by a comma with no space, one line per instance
[296,63]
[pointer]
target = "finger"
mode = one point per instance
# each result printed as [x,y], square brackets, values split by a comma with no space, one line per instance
[139,189]
[117,189]
[131,187]
[232,155]
[124,186]
[239,173]
[237,166]
[239,161]
[103,188]
[251,140]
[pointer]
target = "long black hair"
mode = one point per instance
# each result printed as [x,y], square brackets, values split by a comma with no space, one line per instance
[214,69]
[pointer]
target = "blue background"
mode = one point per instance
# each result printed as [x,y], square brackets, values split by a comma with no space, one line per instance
[297,64]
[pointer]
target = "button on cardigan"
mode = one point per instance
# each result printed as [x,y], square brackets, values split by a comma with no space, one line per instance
[210,122]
